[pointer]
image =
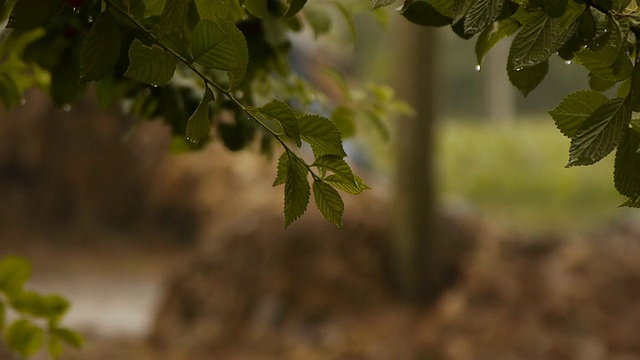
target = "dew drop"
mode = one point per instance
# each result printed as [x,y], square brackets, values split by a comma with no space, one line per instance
[519,69]
[66,107]
[568,62]
[478,67]
[90,19]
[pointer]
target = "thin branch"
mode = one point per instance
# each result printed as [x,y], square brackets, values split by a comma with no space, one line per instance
[213,84]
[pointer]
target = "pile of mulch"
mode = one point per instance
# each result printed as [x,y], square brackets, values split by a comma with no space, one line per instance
[256,292]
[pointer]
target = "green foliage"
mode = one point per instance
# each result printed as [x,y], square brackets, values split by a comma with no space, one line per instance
[211,69]
[601,35]
[25,336]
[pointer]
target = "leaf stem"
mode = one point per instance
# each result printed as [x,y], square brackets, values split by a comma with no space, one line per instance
[213,84]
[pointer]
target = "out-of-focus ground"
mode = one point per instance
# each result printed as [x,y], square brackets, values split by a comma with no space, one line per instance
[184,257]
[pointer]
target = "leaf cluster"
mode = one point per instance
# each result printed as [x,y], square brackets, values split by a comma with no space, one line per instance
[211,69]
[38,322]
[601,35]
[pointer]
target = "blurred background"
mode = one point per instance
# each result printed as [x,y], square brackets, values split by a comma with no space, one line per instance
[183,256]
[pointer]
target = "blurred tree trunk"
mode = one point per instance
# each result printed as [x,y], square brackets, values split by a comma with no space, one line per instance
[418,267]
[500,95]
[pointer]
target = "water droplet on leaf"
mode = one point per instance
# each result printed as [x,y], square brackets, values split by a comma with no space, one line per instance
[478,67]
[568,62]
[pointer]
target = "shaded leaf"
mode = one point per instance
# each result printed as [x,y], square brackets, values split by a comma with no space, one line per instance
[213,9]
[534,43]
[481,14]
[100,49]
[601,62]
[491,36]
[283,169]
[423,13]
[9,93]
[329,202]
[527,78]
[199,124]
[150,65]
[169,28]
[286,116]
[257,8]
[600,133]
[29,14]
[574,110]
[221,46]
[296,191]
[553,8]
[626,174]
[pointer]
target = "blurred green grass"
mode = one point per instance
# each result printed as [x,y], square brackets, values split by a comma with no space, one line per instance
[514,174]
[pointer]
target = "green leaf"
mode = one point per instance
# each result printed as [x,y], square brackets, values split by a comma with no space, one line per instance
[633,203]
[221,46]
[296,191]
[154,7]
[329,202]
[627,165]
[422,13]
[461,8]
[347,186]
[604,4]
[344,118]
[150,65]
[54,347]
[14,272]
[286,116]
[490,37]
[600,133]
[599,84]
[213,9]
[574,110]
[553,8]
[535,42]
[29,14]
[24,338]
[336,165]
[527,78]
[380,3]
[69,337]
[482,14]
[296,5]
[318,19]
[635,89]
[444,7]
[199,124]
[169,28]
[100,49]
[322,134]
[283,169]
[601,63]
[257,8]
